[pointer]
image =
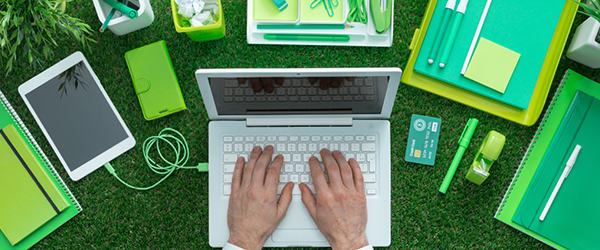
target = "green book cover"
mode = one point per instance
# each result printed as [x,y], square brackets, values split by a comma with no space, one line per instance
[571,83]
[28,198]
[8,116]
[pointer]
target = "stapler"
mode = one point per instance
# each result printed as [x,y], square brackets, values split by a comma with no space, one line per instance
[381,11]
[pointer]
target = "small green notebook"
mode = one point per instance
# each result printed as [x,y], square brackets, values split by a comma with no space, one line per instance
[154,80]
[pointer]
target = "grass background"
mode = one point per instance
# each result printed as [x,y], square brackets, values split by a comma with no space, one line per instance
[175,214]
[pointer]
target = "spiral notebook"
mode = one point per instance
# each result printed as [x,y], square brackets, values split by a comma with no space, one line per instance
[572,83]
[37,229]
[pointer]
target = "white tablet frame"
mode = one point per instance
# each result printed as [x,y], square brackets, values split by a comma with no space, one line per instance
[104,157]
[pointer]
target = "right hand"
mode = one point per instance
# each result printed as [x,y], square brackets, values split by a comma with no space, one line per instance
[340,208]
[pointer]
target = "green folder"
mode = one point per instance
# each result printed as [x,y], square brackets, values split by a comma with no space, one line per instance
[28,199]
[571,83]
[525,27]
[573,219]
[9,117]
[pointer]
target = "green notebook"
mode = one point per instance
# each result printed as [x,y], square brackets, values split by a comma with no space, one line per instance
[28,199]
[21,229]
[573,219]
[571,83]
[154,80]
[514,24]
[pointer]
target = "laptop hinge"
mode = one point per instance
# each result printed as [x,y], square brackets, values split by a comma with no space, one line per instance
[298,121]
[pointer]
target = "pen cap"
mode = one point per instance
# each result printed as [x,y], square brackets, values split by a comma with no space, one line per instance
[451,4]
[462,6]
[573,156]
[467,133]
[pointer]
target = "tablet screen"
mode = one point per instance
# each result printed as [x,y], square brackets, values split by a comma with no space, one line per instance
[76,115]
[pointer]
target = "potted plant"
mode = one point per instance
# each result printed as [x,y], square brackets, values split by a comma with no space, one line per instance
[585,47]
[28,29]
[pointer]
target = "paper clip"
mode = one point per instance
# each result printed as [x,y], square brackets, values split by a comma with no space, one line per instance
[329,4]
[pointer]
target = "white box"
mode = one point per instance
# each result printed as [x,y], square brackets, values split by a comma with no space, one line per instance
[121,24]
[584,48]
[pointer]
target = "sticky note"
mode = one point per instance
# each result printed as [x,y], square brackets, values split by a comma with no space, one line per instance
[492,65]
[423,139]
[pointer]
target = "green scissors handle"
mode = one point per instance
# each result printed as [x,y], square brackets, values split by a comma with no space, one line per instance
[329,4]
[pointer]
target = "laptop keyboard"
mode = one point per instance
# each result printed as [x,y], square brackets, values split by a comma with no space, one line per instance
[301,90]
[296,150]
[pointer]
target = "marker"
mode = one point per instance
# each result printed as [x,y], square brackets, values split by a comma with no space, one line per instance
[564,175]
[441,30]
[458,16]
[127,11]
[303,27]
[475,38]
[300,37]
[463,144]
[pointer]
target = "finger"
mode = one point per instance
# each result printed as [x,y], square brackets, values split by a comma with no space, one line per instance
[359,181]
[350,78]
[324,83]
[260,168]
[309,200]
[267,84]
[250,165]
[333,170]
[312,80]
[278,80]
[236,180]
[317,174]
[345,170]
[336,82]
[256,85]
[284,200]
[241,80]
[272,179]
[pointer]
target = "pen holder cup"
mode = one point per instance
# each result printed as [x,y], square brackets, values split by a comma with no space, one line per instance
[121,24]
[200,33]
[488,153]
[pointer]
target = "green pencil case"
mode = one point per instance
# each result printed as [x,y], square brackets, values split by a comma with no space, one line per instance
[154,80]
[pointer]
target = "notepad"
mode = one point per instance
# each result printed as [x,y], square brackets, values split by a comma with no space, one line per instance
[265,10]
[492,65]
[28,198]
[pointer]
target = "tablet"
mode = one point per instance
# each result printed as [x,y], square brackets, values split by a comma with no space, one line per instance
[76,116]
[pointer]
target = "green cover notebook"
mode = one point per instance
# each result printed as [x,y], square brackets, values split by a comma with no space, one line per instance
[573,219]
[28,198]
[8,116]
[514,24]
[154,80]
[571,83]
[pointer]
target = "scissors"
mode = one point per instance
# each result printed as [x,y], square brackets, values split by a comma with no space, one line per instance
[329,4]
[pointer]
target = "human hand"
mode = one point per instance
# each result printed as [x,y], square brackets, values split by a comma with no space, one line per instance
[258,84]
[340,208]
[254,211]
[329,81]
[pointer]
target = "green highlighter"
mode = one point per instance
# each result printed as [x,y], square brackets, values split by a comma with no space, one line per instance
[301,37]
[463,144]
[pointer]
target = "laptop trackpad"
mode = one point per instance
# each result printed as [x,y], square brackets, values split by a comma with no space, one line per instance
[300,235]
[297,217]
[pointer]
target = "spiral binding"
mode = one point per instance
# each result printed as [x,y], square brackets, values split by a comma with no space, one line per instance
[533,142]
[21,126]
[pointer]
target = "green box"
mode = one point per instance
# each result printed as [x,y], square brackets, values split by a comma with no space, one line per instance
[201,33]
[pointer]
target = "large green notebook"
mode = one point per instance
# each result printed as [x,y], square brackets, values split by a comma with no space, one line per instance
[572,82]
[525,27]
[34,228]
[573,219]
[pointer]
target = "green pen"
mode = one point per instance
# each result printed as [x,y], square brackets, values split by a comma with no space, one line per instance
[463,144]
[302,27]
[441,30]
[460,12]
[129,12]
[302,37]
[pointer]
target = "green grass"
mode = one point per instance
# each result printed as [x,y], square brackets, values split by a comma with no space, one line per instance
[175,214]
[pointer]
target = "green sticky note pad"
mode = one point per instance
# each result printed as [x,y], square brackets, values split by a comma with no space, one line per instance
[265,10]
[423,139]
[492,65]
[319,14]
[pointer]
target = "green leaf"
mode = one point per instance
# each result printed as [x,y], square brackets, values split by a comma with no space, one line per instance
[61,86]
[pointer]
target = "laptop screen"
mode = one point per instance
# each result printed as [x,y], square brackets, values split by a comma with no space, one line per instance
[299,95]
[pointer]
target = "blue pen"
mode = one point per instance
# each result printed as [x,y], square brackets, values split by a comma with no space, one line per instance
[441,30]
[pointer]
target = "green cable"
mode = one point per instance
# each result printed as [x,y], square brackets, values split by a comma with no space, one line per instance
[173,140]
[357,11]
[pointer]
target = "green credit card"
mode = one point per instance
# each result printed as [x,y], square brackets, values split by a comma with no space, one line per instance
[423,139]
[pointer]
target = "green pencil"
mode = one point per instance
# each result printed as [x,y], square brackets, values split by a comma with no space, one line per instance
[308,37]
[303,27]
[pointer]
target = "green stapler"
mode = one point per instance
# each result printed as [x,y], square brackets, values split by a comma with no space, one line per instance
[381,10]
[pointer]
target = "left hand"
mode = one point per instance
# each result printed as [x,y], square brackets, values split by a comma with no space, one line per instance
[254,211]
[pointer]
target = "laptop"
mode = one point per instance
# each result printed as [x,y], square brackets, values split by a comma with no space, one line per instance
[299,119]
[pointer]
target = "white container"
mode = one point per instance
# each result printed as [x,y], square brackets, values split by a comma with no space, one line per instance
[584,48]
[121,24]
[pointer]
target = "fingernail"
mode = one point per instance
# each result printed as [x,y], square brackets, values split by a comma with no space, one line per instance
[268,148]
[256,149]
[240,160]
